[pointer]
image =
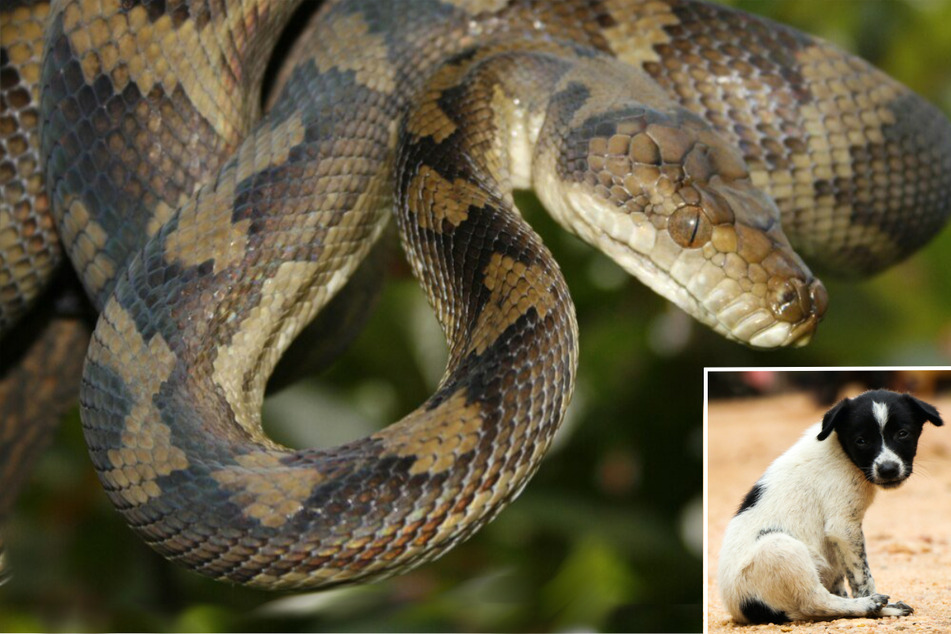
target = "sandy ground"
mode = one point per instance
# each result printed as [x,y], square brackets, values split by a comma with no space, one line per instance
[908,530]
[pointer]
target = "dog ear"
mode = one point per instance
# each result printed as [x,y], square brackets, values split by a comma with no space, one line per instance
[927,412]
[832,417]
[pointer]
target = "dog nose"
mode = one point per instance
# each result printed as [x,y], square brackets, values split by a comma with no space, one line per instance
[888,470]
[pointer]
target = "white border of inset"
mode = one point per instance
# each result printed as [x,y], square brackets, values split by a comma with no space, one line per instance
[706,399]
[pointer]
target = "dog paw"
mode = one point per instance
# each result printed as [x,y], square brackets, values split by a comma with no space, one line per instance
[899,608]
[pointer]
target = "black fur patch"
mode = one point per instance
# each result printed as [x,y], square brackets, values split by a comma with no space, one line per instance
[751,498]
[756,612]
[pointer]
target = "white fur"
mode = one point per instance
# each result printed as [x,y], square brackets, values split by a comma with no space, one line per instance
[887,455]
[880,412]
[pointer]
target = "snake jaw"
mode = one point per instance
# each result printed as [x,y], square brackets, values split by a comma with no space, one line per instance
[779,303]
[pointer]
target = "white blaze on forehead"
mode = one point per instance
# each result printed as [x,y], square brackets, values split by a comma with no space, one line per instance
[880,412]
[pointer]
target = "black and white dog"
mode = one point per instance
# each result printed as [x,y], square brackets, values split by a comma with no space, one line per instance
[797,537]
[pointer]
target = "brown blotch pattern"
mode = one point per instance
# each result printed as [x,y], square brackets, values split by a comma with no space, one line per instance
[85,238]
[849,109]
[634,37]
[515,288]
[146,451]
[436,438]
[372,66]
[29,248]
[266,489]
[427,118]
[435,200]
[271,148]
[127,47]
[206,221]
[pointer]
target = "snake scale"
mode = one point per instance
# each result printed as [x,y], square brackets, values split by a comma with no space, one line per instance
[693,144]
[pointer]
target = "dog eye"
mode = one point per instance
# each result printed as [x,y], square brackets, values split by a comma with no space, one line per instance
[860,441]
[902,434]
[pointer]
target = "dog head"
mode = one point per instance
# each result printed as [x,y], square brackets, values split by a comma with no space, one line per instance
[879,431]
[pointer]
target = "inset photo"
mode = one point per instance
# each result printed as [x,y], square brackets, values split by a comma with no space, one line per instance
[828,499]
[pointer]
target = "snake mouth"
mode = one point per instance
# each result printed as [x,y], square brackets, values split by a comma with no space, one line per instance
[788,317]
[781,311]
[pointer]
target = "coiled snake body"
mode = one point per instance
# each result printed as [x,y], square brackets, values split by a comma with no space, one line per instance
[691,143]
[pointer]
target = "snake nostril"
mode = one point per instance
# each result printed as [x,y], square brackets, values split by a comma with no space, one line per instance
[791,300]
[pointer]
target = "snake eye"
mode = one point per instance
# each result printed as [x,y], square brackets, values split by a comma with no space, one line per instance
[689,227]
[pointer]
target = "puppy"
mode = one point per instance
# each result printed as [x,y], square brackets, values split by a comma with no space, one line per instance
[797,537]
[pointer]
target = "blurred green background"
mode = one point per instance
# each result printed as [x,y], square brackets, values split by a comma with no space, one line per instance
[607,537]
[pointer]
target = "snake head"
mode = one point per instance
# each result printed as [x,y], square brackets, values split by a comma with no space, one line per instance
[752,285]
[669,200]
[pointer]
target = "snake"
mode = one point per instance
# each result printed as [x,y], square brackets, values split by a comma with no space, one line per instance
[709,152]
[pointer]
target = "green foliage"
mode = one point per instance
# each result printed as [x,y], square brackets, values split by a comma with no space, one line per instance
[609,584]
